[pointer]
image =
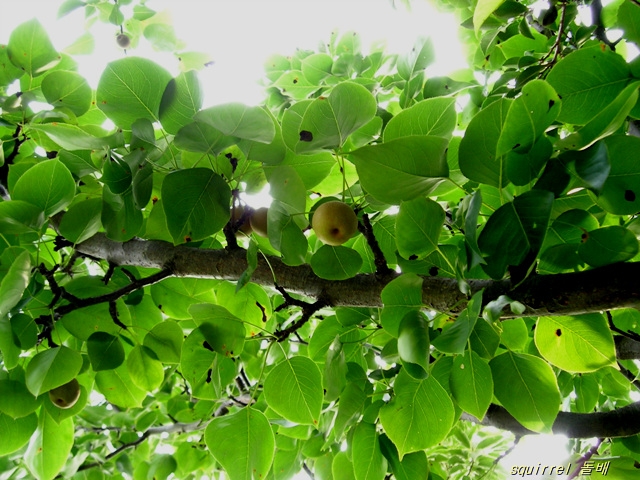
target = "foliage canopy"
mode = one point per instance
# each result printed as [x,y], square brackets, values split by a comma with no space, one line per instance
[493,280]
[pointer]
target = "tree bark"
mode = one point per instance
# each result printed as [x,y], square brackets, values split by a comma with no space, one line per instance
[605,288]
[622,422]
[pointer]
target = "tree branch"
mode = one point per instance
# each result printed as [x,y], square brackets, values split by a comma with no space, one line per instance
[596,290]
[622,422]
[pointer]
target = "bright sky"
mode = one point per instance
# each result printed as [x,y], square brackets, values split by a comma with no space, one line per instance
[241,34]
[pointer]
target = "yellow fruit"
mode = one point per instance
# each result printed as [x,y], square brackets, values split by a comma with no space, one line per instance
[259,221]
[334,223]
[65,396]
[123,40]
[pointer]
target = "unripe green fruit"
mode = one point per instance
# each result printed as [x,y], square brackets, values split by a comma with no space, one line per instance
[259,221]
[334,223]
[123,40]
[65,396]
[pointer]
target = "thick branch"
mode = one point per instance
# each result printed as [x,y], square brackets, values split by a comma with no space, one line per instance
[605,288]
[622,422]
[627,348]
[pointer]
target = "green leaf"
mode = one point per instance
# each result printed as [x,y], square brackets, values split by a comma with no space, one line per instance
[629,21]
[350,407]
[82,220]
[335,263]
[225,333]
[30,49]
[165,340]
[15,280]
[526,386]
[17,217]
[285,234]
[293,389]
[202,138]
[316,67]
[587,391]
[477,156]
[208,372]
[16,400]
[483,10]
[243,443]
[606,122]
[402,169]
[471,383]
[145,370]
[514,230]
[454,339]
[131,88]
[420,414]
[105,351]
[620,193]
[118,388]
[47,185]
[196,203]
[528,118]
[413,466]
[421,56]
[434,116]
[418,226]
[237,120]
[592,165]
[588,80]
[580,344]
[368,462]
[52,368]
[49,447]
[181,100]
[327,122]
[120,217]
[414,345]
[77,137]
[68,90]
[16,432]
[399,297]
[607,245]
[342,467]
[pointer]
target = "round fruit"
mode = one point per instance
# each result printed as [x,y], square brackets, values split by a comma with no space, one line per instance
[66,395]
[237,214]
[259,221]
[123,40]
[334,223]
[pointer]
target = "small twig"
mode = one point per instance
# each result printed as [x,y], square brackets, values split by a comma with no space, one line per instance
[113,311]
[629,376]
[592,451]
[47,329]
[600,32]
[382,269]
[56,289]
[308,309]
[628,333]
[307,470]
[109,273]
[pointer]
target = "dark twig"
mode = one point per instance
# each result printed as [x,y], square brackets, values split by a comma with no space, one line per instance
[113,311]
[600,32]
[628,333]
[115,295]
[308,309]
[47,329]
[382,269]
[579,464]
[109,273]
[629,376]
[308,471]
